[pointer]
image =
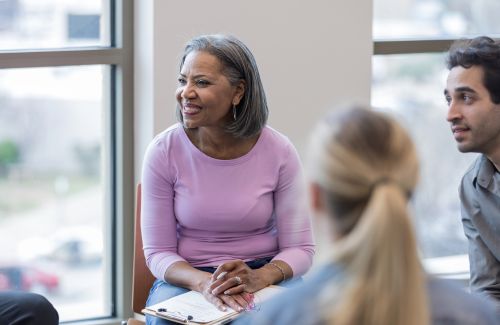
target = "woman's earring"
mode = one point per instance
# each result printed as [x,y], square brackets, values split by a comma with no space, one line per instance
[234,112]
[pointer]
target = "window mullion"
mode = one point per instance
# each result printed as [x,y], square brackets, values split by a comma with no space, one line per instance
[64,57]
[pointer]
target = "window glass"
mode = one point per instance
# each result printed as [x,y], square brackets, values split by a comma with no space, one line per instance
[53,155]
[435,18]
[411,88]
[53,23]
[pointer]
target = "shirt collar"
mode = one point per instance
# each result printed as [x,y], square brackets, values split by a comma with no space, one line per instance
[483,172]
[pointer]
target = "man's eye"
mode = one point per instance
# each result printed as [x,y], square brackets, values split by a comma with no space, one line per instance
[467,98]
[181,81]
[448,100]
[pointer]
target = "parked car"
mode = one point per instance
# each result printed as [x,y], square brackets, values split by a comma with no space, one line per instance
[73,246]
[27,278]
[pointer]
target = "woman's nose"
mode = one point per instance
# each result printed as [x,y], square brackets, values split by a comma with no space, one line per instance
[188,91]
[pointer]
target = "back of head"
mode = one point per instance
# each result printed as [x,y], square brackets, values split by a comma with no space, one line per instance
[367,167]
[238,64]
[480,51]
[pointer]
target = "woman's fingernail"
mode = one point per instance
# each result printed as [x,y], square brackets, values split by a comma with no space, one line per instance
[222,275]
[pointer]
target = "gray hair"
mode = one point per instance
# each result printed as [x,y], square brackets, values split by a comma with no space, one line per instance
[238,64]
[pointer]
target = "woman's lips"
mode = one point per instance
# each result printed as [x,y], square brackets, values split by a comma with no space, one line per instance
[191,109]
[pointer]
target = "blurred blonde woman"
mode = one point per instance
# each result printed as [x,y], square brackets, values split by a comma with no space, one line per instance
[363,170]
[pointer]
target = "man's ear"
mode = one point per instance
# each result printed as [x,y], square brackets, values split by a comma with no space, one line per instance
[316,198]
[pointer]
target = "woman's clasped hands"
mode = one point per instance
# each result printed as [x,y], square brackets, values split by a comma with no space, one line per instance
[232,285]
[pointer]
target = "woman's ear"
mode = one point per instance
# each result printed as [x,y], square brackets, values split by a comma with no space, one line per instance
[325,228]
[240,91]
[316,198]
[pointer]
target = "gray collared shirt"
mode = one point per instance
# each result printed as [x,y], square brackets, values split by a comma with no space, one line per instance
[480,205]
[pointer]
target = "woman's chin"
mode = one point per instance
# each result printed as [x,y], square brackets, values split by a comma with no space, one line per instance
[189,124]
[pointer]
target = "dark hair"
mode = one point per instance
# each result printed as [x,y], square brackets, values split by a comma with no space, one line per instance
[481,51]
[238,64]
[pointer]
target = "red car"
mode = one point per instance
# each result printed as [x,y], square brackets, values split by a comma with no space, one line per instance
[27,278]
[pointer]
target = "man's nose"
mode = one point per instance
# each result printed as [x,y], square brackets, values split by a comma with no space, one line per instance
[453,112]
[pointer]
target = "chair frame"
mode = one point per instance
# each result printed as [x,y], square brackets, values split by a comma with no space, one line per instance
[142,277]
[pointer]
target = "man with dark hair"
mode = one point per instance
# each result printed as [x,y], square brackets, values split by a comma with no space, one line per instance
[473,96]
[26,308]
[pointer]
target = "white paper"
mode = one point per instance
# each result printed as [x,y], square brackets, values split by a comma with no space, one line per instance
[194,304]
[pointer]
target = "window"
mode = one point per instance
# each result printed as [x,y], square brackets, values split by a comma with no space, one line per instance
[29,24]
[409,75]
[65,135]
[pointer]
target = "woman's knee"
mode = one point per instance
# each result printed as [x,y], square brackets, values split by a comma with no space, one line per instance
[161,291]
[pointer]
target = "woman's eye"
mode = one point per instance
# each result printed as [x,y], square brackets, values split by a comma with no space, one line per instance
[202,82]
[181,81]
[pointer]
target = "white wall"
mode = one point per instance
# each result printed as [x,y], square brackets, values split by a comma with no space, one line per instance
[311,55]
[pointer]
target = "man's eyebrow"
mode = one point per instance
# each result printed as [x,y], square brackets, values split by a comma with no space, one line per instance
[462,89]
[465,89]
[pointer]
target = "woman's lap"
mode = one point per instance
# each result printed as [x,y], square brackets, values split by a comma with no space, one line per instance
[162,290]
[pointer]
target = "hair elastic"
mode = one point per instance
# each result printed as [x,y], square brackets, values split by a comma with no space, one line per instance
[385,180]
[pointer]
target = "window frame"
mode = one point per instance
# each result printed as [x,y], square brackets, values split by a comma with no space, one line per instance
[440,266]
[120,208]
[413,46]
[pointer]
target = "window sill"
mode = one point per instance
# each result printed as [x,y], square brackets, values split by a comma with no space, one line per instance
[454,267]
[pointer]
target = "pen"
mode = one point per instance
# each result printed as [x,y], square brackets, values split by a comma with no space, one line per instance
[175,315]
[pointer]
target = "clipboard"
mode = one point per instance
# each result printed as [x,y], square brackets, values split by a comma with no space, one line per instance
[192,308]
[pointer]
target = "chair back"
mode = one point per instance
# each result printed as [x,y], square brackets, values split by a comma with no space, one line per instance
[142,277]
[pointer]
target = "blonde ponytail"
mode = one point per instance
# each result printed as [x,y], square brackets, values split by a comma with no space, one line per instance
[366,176]
[386,284]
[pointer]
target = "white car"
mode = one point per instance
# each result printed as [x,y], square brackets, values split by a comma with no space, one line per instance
[74,245]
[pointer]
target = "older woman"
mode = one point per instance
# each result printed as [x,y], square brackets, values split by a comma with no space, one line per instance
[363,170]
[223,210]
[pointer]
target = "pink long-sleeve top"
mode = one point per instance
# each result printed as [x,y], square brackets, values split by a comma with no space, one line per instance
[207,211]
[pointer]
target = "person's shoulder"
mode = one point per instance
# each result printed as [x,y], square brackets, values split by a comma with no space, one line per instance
[164,143]
[451,304]
[167,137]
[173,132]
[276,141]
[286,307]
[275,134]
[294,305]
[473,170]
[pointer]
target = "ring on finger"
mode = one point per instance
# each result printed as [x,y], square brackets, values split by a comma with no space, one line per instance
[238,280]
